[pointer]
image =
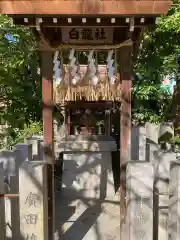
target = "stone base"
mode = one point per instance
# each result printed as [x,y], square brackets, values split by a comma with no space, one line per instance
[87,207]
[88,175]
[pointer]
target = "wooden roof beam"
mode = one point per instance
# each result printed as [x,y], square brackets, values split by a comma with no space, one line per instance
[60,21]
[121,7]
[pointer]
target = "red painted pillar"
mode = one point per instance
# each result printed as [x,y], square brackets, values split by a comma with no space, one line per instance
[125,123]
[47,112]
[125,113]
[107,123]
[68,120]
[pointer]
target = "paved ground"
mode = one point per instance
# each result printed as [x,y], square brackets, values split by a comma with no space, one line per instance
[87,219]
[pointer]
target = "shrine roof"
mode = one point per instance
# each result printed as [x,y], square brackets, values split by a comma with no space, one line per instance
[87,7]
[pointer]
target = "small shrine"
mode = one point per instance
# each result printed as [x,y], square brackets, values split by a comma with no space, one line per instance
[86,50]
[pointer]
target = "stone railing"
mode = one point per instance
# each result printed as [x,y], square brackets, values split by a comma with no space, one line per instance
[152,178]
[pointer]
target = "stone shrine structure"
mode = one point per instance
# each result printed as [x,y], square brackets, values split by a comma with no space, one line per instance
[108,33]
[86,199]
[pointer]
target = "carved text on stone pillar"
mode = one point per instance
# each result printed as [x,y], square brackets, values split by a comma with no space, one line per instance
[32,199]
[31,237]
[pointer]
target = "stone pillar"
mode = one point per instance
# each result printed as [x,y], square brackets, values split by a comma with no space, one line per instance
[152,151]
[152,155]
[36,147]
[138,147]
[14,216]
[139,200]
[26,151]
[174,202]
[2,205]
[163,171]
[152,132]
[161,161]
[8,162]
[33,199]
[11,162]
[162,179]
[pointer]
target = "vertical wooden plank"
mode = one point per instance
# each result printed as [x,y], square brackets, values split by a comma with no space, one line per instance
[125,125]
[107,123]
[125,117]
[47,101]
[68,120]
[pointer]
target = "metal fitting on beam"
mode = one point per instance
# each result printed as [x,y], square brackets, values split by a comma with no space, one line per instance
[131,29]
[38,22]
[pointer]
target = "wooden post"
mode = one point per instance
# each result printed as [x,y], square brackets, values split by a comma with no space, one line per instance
[47,101]
[107,123]
[125,124]
[68,120]
[63,126]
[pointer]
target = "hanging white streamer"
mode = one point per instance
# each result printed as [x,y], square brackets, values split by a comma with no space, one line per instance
[57,68]
[110,62]
[73,67]
[92,68]
[72,63]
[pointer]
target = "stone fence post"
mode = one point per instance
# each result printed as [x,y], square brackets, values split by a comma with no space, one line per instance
[26,151]
[138,146]
[11,160]
[37,150]
[33,197]
[139,200]
[174,202]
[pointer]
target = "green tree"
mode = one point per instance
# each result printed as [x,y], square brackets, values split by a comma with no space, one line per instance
[20,83]
[156,59]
